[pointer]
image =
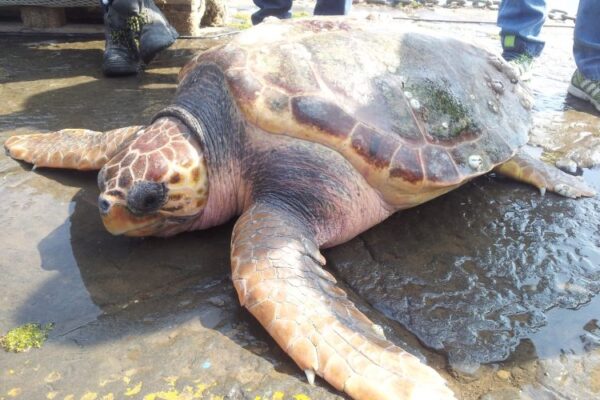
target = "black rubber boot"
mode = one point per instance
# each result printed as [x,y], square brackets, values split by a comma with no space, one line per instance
[155,32]
[121,56]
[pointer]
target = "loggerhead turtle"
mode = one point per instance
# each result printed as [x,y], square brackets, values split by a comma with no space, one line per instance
[313,131]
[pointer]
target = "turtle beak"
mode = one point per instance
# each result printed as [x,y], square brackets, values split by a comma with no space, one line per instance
[118,220]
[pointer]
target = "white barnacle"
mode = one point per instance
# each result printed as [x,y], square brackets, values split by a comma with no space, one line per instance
[526,103]
[414,103]
[497,62]
[378,330]
[498,87]
[493,107]
[475,162]
[408,95]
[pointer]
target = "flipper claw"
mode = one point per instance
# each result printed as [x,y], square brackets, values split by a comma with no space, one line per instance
[310,376]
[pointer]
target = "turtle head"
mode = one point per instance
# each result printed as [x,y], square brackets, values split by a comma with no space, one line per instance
[156,185]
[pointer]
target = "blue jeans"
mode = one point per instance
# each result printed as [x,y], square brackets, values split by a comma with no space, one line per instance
[521,22]
[281,8]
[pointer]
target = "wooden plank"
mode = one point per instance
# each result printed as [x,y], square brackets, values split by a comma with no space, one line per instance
[184,15]
[43,17]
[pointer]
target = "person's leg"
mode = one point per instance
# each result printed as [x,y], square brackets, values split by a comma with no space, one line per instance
[521,22]
[586,46]
[333,7]
[585,83]
[272,8]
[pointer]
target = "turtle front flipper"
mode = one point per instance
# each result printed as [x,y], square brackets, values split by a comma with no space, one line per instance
[525,168]
[80,149]
[278,274]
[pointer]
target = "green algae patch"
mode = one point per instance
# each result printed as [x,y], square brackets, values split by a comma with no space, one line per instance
[25,337]
[412,4]
[300,14]
[240,21]
[445,115]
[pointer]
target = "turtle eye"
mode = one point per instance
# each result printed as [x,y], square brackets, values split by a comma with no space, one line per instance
[146,197]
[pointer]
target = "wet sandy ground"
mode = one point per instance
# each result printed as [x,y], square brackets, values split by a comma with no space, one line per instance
[494,285]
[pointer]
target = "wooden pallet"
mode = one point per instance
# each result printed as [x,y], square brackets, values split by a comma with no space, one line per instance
[184,15]
[43,17]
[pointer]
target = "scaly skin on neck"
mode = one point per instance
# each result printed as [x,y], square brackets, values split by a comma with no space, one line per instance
[227,195]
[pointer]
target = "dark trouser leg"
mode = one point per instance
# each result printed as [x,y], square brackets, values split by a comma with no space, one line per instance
[586,48]
[272,8]
[333,7]
[521,22]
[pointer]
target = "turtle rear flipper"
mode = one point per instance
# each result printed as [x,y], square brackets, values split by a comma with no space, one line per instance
[527,169]
[80,149]
[277,272]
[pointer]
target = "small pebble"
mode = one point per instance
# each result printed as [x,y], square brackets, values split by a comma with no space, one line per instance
[567,165]
[414,103]
[503,374]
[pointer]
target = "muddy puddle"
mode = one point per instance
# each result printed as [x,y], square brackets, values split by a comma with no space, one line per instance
[494,284]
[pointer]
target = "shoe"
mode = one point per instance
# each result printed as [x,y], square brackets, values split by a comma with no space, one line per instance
[157,34]
[585,89]
[121,56]
[261,14]
[523,66]
[148,24]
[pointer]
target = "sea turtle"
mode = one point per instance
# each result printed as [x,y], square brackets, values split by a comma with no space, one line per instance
[312,130]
